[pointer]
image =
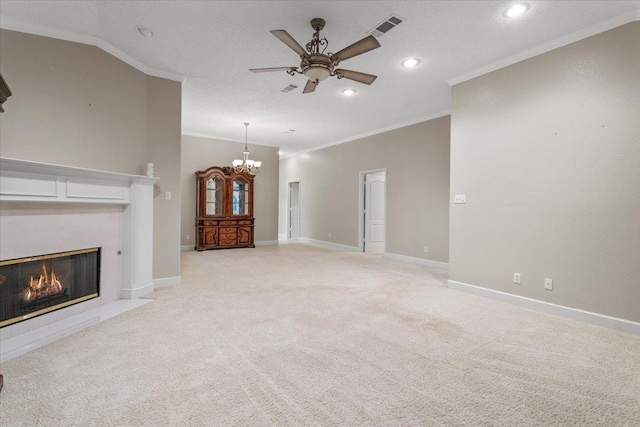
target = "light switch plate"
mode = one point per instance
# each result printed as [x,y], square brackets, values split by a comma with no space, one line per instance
[460,199]
[548,284]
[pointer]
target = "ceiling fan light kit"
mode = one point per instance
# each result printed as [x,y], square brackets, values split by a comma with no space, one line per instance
[317,65]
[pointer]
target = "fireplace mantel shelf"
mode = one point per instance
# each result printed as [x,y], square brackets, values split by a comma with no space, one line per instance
[32,182]
[28,181]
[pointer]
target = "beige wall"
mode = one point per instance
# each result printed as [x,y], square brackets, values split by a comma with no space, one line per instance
[547,153]
[72,104]
[77,105]
[164,115]
[417,162]
[199,154]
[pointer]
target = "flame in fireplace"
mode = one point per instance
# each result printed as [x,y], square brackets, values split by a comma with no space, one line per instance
[44,286]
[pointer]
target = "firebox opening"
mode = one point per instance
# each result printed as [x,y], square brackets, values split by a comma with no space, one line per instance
[33,286]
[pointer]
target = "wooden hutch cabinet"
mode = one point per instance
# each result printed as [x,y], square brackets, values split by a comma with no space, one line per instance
[224,206]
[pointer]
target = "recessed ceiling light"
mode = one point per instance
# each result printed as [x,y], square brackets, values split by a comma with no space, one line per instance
[410,63]
[348,92]
[516,10]
[145,31]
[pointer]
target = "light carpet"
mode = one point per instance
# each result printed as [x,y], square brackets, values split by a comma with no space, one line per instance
[297,335]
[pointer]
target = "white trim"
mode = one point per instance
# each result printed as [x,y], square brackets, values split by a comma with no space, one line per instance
[187,248]
[328,245]
[282,236]
[226,139]
[167,281]
[19,178]
[598,28]
[596,319]
[133,293]
[419,261]
[15,24]
[24,343]
[267,243]
[371,133]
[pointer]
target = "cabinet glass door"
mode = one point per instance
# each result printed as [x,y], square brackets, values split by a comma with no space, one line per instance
[214,196]
[240,197]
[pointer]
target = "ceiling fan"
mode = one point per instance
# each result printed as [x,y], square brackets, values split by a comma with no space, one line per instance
[317,65]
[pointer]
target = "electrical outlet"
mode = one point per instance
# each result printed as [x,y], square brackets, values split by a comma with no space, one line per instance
[329,235]
[167,195]
[516,278]
[426,249]
[548,284]
[188,237]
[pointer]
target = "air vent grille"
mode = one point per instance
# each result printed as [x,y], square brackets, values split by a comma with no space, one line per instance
[386,25]
[289,88]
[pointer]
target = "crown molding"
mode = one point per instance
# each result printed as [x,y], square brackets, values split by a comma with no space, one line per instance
[226,139]
[598,28]
[371,133]
[14,24]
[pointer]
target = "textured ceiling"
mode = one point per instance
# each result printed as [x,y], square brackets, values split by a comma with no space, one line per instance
[214,43]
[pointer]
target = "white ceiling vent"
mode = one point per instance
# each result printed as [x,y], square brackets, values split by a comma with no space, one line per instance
[289,88]
[386,25]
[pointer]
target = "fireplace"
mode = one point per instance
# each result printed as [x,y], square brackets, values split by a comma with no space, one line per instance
[36,285]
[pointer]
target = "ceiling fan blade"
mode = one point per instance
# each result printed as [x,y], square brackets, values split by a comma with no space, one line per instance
[365,45]
[310,86]
[356,76]
[289,41]
[266,70]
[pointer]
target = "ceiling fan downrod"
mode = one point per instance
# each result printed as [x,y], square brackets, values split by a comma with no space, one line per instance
[313,47]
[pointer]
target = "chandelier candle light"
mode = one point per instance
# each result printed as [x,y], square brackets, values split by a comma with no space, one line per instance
[249,166]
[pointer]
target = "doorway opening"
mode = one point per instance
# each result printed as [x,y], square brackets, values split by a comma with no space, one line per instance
[293,217]
[372,218]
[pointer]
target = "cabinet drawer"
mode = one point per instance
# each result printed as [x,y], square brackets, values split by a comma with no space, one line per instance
[228,230]
[246,222]
[228,222]
[209,222]
[229,242]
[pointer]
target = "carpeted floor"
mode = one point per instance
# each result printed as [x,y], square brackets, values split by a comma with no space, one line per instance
[297,336]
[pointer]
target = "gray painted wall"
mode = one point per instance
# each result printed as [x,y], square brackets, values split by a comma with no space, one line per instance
[199,154]
[546,152]
[416,158]
[77,105]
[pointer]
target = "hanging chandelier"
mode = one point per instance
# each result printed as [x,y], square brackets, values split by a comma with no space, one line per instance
[249,166]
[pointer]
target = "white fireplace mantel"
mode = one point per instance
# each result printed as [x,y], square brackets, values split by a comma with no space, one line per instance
[28,181]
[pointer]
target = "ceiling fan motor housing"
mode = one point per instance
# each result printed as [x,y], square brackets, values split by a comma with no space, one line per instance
[317,67]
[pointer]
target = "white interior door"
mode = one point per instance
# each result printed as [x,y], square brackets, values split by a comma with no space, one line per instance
[374,212]
[294,210]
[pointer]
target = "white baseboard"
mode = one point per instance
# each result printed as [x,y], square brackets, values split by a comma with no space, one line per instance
[328,244]
[187,248]
[133,293]
[282,236]
[266,242]
[596,319]
[167,281]
[420,261]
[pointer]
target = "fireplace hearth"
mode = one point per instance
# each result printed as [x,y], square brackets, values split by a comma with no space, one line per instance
[33,286]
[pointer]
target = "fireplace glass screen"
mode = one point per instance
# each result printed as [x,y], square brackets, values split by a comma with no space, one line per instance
[37,285]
